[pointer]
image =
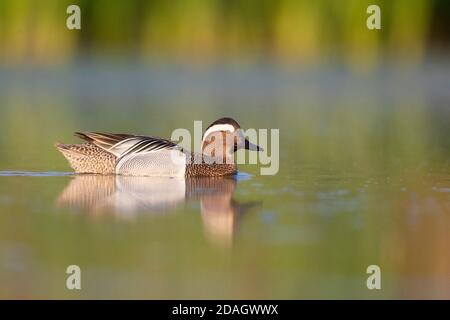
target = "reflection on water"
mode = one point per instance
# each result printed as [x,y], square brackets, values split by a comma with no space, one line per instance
[364,179]
[161,238]
[126,196]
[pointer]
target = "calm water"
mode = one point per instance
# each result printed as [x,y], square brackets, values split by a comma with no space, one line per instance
[364,179]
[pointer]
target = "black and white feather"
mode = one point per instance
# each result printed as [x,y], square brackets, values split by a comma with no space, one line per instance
[140,155]
[122,145]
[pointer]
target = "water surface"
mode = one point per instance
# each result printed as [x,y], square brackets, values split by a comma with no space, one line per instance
[364,179]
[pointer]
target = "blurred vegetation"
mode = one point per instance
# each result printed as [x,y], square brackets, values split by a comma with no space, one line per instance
[363,164]
[288,31]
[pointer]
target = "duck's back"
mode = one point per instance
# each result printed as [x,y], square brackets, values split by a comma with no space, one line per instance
[88,158]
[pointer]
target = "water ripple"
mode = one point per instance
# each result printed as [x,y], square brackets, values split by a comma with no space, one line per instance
[34,173]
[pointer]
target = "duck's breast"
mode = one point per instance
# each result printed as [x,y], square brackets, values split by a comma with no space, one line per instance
[163,163]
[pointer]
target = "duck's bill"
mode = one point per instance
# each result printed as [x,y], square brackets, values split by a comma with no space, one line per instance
[251,146]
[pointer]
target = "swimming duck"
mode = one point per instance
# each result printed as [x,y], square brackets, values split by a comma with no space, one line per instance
[136,155]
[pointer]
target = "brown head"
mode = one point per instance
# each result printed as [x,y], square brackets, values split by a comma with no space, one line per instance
[223,137]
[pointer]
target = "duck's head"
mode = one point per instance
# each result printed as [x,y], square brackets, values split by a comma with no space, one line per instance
[225,136]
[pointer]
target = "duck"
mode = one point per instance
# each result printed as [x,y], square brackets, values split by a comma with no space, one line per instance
[138,155]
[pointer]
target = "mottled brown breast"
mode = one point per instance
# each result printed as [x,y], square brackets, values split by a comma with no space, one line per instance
[199,168]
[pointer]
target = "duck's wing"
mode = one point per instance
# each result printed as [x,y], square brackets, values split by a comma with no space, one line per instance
[122,145]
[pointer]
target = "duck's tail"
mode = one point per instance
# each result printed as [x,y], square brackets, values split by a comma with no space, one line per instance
[87,158]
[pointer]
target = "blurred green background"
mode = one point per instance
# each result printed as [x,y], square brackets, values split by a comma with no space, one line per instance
[364,146]
[205,31]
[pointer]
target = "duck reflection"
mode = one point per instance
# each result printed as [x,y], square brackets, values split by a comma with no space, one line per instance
[126,196]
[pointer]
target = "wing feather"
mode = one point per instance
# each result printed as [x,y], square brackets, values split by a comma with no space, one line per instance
[122,145]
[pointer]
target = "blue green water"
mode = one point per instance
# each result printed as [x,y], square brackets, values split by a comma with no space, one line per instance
[364,180]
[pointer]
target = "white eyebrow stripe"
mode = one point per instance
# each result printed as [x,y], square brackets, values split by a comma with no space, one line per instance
[219,127]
